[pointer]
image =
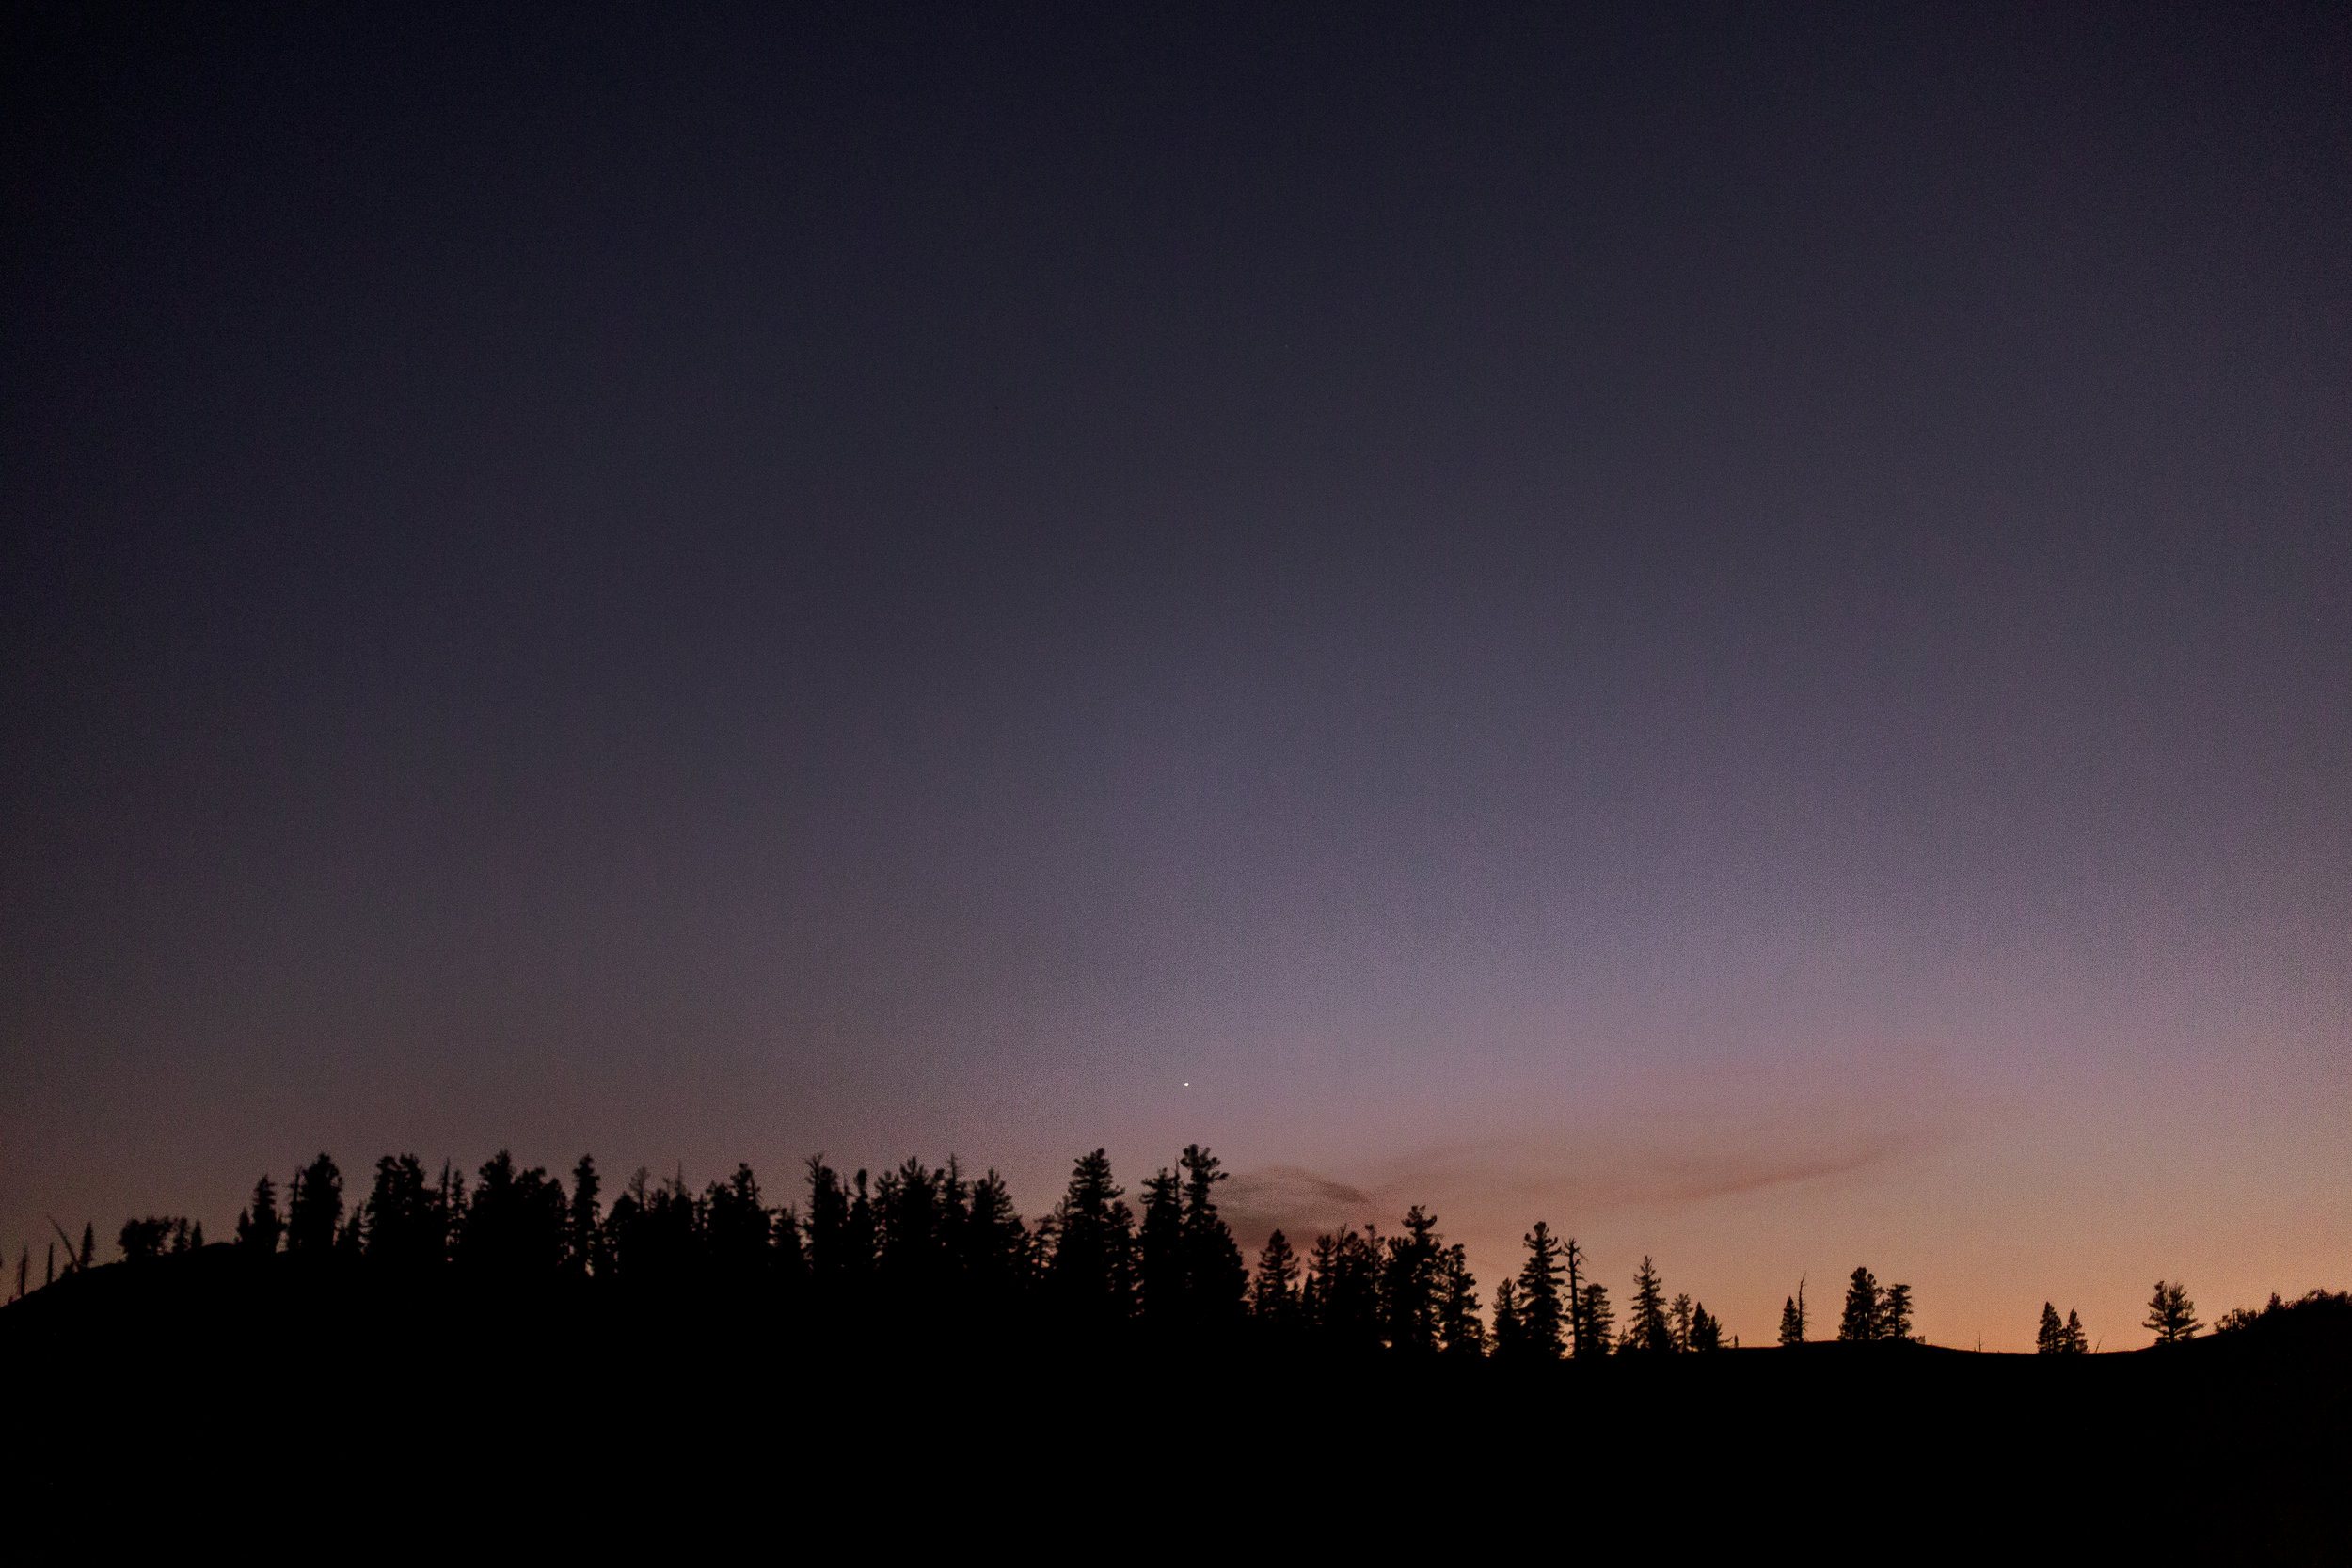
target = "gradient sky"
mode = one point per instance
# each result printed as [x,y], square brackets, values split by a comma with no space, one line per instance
[1731,630]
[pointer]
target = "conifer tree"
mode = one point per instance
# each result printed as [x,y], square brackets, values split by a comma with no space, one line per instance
[1648,1326]
[736,1226]
[1215,1277]
[259,1225]
[314,1207]
[1707,1330]
[1791,1323]
[2050,1337]
[1459,1332]
[585,1214]
[1600,1319]
[1510,1338]
[90,1247]
[2172,1315]
[1894,1312]
[1408,1285]
[1274,1290]
[1094,1268]
[1160,1253]
[995,1244]
[1679,1318]
[2078,1344]
[1541,1317]
[1860,1321]
[1572,1258]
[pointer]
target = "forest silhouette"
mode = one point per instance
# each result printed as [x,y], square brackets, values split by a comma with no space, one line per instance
[874,1311]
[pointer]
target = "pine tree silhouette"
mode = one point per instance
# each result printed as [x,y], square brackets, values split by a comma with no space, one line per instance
[1510,1336]
[259,1227]
[1649,1327]
[1160,1254]
[1092,1272]
[1274,1290]
[1572,1257]
[1459,1332]
[1214,1279]
[1541,1317]
[314,1207]
[1408,1285]
[1600,1319]
[2078,1344]
[2172,1315]
[1860,1321]
[584,1216]
[90,1247]
[1707,1330]
[2050,1337]
[1894,1312]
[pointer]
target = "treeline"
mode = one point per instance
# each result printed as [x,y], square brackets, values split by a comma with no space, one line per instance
[916,1239]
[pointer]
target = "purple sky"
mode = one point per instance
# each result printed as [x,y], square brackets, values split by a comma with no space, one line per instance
[1734,633]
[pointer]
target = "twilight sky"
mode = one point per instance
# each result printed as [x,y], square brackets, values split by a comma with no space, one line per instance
[1734,631]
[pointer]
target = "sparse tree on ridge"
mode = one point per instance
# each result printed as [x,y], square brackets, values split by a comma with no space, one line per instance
[1793,1317]
[1894,1312]
[1860,1321]
[1647,1326]
[2172,1315]
[2050,1337]
[2078,1344]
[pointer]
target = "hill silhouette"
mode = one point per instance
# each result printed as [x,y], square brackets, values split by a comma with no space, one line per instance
[355,1383]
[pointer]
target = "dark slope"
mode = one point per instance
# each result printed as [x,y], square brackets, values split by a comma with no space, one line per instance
[316,1398]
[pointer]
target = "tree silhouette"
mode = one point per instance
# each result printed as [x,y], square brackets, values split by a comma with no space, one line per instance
[1092,1272]
[407,1221]
[2050,1337]
[1342,1296]
[995,1244]
[2171,1314]
[314,1207]
[1541,1317]
[1510,1338]
[2078,1344]
[259,1225]
[1408,1285]
[515,1224]
[1705,1332]
[1894,1312]
[580,1237]
[1648,1326]
[1572,1258]
[1274,1290]
[90,1247]
[736,1229]
[1214,1279]
[1160,1253]
[1459,1332]
[1860,1321]
[145,1238]
[1598,1316]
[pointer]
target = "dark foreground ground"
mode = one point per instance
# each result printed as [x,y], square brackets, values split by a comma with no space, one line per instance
[318,1410]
